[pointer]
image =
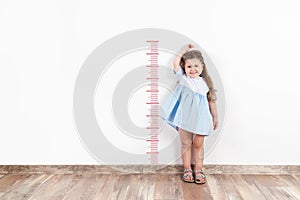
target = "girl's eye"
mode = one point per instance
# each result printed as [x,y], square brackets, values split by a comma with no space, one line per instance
[188,66]
[196,66]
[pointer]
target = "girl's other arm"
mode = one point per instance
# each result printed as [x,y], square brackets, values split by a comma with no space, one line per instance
[214,113]
[176,62]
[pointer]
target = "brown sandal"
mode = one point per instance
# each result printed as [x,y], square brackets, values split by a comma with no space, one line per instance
[200,178]
[188,176]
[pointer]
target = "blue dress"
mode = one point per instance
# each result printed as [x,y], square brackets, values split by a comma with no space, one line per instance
[187,108]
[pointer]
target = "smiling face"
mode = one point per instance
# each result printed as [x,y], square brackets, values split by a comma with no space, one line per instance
[193,67]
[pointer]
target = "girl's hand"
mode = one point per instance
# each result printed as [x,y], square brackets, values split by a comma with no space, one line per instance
[186,47]
[176,62]
[215,123]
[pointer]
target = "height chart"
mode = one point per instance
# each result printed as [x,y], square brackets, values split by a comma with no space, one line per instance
[152,78]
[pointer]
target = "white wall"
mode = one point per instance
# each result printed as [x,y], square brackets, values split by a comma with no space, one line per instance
[253,44]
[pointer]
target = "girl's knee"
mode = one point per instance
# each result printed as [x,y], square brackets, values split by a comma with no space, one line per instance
[198,142]
[186,139]
[197,145]
[186,143]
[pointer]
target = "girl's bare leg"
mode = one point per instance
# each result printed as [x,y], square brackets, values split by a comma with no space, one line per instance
[186,139]
[198,151]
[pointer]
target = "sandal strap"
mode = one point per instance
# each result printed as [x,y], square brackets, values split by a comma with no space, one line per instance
[187,174]
[187,170]
[199,171]
[202,175]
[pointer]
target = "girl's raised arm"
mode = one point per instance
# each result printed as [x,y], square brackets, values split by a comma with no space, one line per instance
[176,62]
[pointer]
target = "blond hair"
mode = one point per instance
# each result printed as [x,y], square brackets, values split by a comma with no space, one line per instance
[211,96]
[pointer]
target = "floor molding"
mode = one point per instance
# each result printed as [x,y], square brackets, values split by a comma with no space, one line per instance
[147,169]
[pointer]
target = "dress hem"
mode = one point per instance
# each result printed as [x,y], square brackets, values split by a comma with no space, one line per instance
[186,129]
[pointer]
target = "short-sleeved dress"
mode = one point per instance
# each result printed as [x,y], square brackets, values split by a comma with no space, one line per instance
[187,108]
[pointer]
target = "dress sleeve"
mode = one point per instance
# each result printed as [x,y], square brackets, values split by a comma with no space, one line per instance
[179,73]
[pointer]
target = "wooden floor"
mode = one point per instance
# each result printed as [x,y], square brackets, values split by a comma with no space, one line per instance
[147,186]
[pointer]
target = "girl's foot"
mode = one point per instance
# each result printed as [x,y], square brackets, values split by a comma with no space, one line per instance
[188,176]
[200,177]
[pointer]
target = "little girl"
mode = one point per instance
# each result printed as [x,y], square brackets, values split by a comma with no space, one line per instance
[192,110]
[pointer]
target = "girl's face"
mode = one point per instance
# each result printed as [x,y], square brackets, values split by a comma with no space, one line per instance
[193,67]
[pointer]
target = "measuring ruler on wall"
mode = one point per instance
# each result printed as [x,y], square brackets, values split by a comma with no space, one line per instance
[152,100]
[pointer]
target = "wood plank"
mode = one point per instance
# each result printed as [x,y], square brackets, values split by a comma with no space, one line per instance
[271,187]
[147,187]
[197,191]
[24,188]
[55,187]
[135,186]
[297,179]
[248,190]
[86,187]
[292,184]
[105,191]
[231,191]
[260,184]
[120,189]
[8,181]
[283,193]
[140,187]
[168,187]
[216,187]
